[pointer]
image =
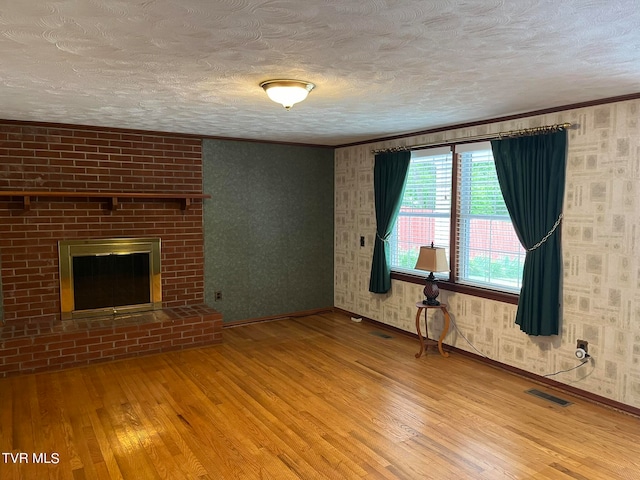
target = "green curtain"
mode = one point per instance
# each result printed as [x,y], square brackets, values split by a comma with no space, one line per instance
[531,173]
[389,180]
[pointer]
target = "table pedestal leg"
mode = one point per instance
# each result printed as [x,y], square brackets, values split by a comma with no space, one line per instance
[447,320]
[419,354]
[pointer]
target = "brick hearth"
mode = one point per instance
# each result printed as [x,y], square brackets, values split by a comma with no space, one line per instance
[84,159]
[39,347]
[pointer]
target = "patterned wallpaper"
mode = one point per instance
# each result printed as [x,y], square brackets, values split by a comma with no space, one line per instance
[600,241]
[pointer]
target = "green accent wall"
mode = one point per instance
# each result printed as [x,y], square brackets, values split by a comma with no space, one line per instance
[268,228]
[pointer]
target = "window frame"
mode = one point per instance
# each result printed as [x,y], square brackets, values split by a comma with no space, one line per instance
[450,284]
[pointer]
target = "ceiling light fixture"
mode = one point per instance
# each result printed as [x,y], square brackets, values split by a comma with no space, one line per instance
[287,92]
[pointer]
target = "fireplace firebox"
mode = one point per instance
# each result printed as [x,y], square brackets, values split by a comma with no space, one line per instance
[109,276]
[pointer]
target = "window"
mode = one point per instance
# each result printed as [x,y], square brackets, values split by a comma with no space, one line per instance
[487,250]
[425,213]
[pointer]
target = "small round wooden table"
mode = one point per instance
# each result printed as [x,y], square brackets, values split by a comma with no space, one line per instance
[426,342]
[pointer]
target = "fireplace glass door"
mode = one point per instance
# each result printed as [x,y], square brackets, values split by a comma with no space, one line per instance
[101,281]
[109,276]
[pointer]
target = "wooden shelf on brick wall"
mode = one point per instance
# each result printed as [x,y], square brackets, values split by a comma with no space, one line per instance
[113,198]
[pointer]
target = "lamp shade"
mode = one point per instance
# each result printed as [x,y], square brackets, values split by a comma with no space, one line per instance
[287,92]
[432,259]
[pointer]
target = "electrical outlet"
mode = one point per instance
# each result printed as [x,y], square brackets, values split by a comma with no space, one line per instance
[583,344]
[217,296]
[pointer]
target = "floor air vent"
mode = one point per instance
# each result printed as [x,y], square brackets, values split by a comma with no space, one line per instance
[546,396]
[380,334]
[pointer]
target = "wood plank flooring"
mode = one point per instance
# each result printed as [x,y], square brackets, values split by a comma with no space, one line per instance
[318,397]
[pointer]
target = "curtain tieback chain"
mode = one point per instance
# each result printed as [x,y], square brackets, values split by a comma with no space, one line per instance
[549,233]
[382,239]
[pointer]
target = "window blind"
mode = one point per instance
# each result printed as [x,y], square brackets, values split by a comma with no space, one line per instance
[425,212]
[489,252]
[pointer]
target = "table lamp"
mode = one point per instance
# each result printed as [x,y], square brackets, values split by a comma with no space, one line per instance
[432,259]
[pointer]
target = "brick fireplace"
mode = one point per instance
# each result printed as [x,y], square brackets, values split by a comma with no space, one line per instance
[118,184]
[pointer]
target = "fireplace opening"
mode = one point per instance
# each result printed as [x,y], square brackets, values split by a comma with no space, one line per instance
[110,280]
[109,276]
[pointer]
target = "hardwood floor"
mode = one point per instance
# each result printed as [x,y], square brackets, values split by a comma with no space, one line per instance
[310,398]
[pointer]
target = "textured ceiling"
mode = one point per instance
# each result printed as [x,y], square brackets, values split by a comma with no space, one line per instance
[382,67]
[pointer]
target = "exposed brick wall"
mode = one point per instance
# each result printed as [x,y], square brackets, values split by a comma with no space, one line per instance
[76,159]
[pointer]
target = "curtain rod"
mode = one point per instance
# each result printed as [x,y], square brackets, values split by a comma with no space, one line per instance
[489,136]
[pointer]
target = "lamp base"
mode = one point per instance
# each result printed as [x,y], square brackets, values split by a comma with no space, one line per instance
[431,291]
[431,302]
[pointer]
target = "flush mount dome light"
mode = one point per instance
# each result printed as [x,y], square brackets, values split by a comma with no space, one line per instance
[287,92]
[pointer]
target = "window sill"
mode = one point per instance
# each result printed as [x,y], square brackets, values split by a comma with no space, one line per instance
[461,288]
